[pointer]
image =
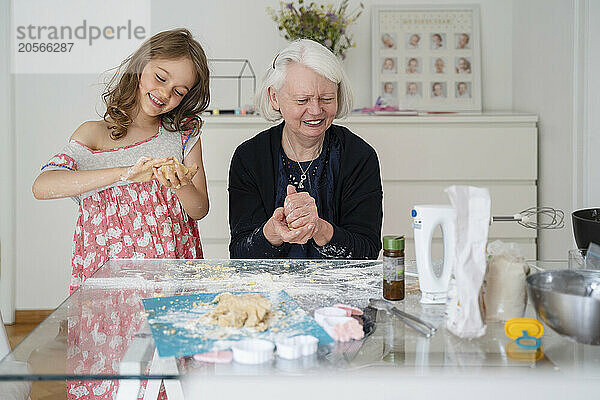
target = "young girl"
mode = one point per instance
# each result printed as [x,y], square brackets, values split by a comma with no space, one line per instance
[129,207]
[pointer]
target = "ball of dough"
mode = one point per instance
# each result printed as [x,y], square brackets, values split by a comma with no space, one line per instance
[171,164]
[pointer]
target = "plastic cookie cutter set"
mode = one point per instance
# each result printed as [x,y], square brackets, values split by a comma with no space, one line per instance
[336,321]
[526,334]
[258,351]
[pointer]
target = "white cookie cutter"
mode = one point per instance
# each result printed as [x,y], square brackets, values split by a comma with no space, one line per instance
[297,346]
[350,310]
[215,357]
[253,351]
[327,312]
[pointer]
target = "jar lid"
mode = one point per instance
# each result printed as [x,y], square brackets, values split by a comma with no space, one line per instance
[393,242]
[514,328]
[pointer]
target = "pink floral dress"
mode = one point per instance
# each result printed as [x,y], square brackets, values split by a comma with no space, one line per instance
[122,220]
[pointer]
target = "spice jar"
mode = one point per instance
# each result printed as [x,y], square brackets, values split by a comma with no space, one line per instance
[393,267]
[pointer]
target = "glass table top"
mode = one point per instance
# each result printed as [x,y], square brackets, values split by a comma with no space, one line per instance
[101,332]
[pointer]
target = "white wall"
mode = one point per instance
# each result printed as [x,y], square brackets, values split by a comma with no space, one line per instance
[48,108]
[591,115]
[525,64]
[250,33]
[7,218]
[543,83]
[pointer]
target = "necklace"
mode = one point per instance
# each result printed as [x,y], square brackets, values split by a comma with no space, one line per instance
[303,176]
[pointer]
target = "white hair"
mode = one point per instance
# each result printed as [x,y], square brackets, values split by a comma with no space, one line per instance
[314,56]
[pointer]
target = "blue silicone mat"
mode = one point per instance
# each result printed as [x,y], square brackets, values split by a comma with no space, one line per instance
[179,326]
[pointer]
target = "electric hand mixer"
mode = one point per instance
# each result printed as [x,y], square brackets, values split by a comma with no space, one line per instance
[427,217]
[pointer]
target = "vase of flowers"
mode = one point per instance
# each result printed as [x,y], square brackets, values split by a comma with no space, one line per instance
[325,24]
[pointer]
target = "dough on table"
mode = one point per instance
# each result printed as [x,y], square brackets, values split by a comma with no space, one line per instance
[248,311]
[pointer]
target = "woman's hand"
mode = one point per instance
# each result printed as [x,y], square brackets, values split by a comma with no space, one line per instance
[175,175]
[277,231]
[294,222]
[301,214]
[300,211]
[142,170]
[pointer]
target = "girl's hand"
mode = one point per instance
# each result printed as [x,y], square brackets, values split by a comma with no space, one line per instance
[175,175]
[142,170]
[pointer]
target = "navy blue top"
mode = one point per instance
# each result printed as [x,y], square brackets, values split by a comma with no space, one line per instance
[354,210]
[319,184]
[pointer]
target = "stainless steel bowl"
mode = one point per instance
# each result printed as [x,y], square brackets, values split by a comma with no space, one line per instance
[569,302]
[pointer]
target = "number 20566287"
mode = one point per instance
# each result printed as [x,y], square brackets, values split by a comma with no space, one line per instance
[28,47]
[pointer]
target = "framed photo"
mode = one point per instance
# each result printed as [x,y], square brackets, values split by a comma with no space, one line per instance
[427,58]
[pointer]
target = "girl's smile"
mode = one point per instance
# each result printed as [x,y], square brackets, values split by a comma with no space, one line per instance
[164,84]
[156,101]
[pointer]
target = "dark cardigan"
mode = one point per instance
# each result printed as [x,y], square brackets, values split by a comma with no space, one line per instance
[357,198]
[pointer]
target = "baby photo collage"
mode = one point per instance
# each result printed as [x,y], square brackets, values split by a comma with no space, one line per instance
[420,68]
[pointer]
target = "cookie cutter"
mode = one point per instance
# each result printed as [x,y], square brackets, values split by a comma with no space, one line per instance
[328,312]
[253,351]
[297,346]
[350,310]
[215,357]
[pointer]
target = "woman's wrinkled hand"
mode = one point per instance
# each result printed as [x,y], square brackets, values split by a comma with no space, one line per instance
[301,214]
[295,222]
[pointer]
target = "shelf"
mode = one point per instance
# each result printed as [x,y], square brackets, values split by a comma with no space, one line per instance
[458,118]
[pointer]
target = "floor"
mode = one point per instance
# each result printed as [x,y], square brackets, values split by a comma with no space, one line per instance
[52,390]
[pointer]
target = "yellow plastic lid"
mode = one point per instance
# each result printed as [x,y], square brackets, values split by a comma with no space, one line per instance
[514,327]
[515,353]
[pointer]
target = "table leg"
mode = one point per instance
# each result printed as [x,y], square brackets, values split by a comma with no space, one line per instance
[128,389]
[133,364]
[164,365]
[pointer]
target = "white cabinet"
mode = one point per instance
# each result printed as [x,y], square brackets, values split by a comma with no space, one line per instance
[419,157]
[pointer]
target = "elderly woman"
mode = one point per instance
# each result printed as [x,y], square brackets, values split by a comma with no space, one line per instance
[305,188]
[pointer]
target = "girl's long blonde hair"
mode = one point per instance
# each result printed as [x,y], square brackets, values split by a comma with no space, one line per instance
[121,94]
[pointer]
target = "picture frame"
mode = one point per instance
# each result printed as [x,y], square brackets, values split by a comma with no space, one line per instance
[427,58]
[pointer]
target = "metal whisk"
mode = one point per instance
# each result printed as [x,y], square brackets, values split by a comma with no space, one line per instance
[536,218]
